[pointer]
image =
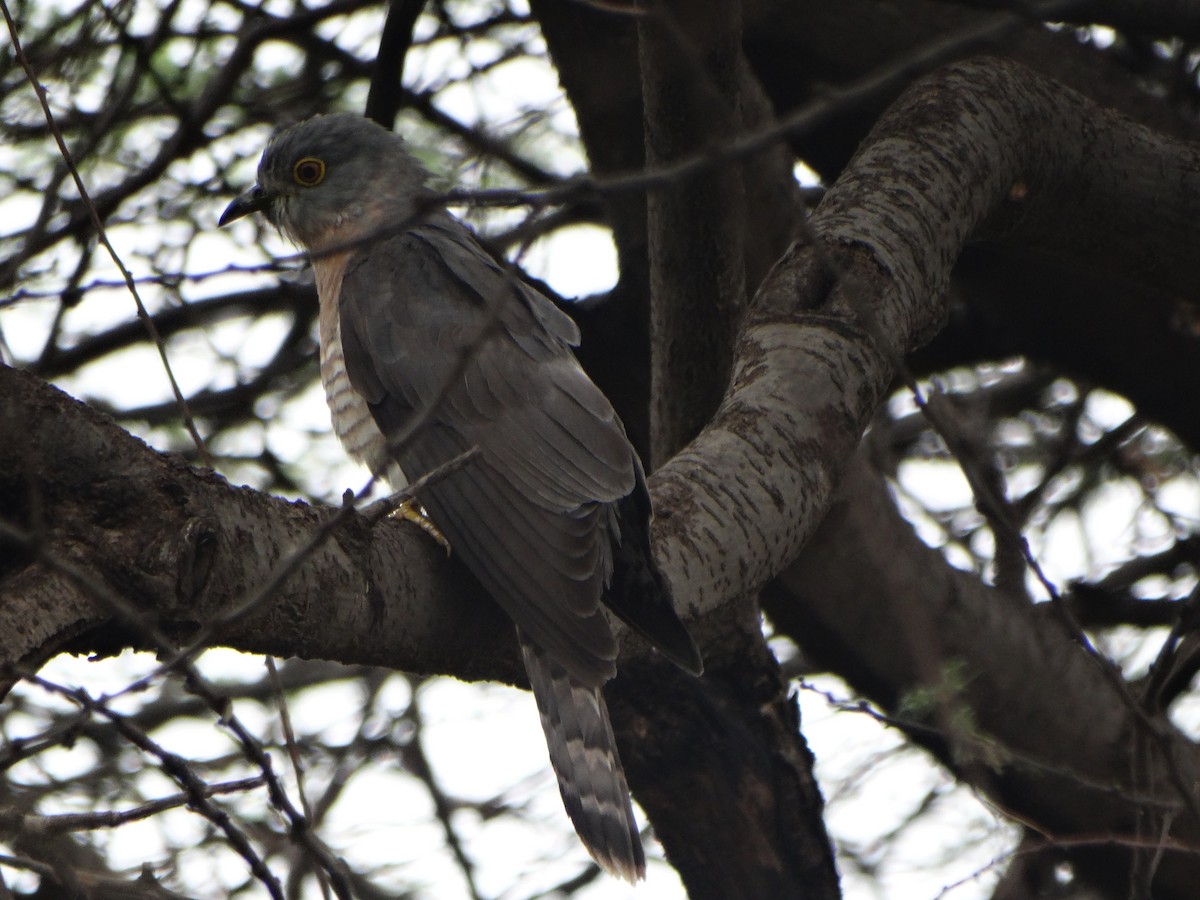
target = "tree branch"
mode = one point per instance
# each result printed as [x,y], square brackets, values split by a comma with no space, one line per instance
[1039,729]
[184,546]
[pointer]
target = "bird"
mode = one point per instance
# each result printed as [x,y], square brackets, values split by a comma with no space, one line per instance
[430,349]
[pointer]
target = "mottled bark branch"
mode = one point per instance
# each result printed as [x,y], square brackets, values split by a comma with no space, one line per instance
[982,148]
[88,513]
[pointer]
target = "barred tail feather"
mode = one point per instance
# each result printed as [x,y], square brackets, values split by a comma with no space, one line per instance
[583,754]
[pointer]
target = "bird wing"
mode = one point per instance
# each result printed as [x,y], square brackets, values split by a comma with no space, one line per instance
[429,322]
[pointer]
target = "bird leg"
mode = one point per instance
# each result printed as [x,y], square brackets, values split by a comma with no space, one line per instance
[411,511]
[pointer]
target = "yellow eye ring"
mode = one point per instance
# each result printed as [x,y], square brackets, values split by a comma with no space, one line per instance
[309,171]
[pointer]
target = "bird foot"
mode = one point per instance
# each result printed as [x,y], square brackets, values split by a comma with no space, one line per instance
[411,511]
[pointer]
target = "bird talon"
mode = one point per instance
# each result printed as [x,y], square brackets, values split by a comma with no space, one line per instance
[411,511]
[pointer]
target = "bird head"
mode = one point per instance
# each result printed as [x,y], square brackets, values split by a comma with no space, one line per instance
[333,178]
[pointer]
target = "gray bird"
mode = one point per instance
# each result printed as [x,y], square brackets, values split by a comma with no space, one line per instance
[418,322]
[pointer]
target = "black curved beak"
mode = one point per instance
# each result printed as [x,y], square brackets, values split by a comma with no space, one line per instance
[254,200]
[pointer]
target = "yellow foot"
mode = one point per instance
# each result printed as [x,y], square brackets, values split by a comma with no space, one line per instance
[411,511]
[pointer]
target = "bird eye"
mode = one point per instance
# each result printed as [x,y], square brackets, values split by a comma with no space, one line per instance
[309,172]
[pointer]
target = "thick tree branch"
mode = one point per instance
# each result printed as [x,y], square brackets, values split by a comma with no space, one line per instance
[582,41]
[1174,18]
[1038,727]
[799,50]
[712,237]
[982,147]
[182,547]
[692,72]
[1016,301]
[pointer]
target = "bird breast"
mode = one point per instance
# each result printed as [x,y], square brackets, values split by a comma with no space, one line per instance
[352,420]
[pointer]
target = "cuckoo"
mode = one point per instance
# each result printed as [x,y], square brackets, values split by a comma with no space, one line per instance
[430,348]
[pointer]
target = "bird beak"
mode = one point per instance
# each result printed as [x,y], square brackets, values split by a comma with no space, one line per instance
[254,200]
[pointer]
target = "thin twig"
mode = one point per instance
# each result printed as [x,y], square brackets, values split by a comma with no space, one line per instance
[63,822]
[196,684]
[293,752]
[178,769]
[102,234]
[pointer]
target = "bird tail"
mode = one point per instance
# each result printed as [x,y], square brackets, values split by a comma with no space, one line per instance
[583,754]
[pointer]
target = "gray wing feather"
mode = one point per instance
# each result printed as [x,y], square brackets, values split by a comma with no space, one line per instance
[533,517]
[471,265]
[430,322]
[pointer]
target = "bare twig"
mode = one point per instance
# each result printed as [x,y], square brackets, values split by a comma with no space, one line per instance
[101,233]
